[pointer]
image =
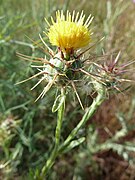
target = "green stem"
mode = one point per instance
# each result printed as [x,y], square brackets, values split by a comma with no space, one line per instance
[54,153]
[88,114]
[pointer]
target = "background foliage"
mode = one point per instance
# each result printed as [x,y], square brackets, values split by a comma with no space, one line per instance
[27,128]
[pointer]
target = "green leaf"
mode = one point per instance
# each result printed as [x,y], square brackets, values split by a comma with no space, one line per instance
[58,102]
[74,143]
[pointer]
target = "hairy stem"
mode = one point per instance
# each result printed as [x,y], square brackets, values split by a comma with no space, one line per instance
[54,153]
[88,114]
[58,149]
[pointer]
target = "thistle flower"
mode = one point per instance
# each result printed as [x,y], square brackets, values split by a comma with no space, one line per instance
[65,67]
[69,32]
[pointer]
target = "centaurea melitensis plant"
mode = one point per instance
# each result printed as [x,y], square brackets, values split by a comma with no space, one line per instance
[69,71]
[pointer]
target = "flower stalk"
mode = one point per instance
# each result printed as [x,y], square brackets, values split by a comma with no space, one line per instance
[58,149]
[88,114]
[54,153]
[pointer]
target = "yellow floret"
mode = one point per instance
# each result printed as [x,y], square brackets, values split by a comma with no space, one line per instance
[69,32]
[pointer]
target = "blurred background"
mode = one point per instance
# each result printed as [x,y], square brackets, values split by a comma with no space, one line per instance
[27,128]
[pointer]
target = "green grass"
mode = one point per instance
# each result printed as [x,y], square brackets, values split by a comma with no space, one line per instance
[27,128]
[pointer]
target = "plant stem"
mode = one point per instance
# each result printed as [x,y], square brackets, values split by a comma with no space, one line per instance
[54,153]
[88,114]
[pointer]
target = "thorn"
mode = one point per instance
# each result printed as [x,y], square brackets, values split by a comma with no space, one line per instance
[50,50]
[73,85]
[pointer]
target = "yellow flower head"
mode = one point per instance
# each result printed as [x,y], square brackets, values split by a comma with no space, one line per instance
[69,32]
